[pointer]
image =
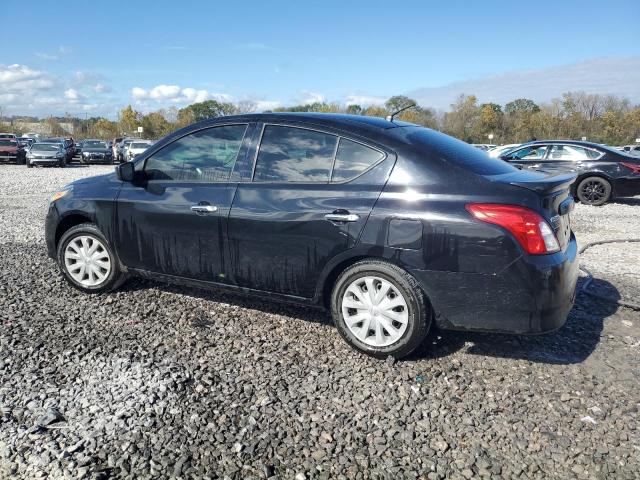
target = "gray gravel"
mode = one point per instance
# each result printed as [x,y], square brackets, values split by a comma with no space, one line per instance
[155,381]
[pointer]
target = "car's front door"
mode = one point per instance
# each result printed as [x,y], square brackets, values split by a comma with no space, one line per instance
[529,157]
[173,220]
[311,194]
[568,157]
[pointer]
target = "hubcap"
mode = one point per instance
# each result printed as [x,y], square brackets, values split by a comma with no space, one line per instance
[87,261]
[593,190]
[375,311]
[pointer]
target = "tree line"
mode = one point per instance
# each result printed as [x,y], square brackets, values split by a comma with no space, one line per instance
[600,118]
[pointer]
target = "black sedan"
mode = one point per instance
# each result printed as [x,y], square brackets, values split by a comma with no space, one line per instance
[391,226]
[96,151]
[603,173]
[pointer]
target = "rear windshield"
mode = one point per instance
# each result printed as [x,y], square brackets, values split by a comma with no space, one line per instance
[457,152]
[139,145]
[8,143]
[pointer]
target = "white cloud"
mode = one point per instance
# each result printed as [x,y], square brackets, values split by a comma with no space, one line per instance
[264,105]
[74,96]
[364,100]
[101,88]
[307,98]
[21,78]
[62,51]
[174,94]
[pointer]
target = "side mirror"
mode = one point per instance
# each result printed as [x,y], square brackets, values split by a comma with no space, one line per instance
[125,171]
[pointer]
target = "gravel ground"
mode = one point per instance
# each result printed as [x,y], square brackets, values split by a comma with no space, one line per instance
[155,381]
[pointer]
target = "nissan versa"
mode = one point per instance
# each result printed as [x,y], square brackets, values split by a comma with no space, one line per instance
[392,226]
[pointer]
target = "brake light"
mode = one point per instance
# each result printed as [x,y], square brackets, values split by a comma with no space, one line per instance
[531,231]
[634,167]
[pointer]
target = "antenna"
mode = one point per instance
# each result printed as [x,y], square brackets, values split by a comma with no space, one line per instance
[390,117]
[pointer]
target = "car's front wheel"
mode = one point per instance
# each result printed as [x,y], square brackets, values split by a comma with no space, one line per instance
[87,261]
[380,309]
[594,191]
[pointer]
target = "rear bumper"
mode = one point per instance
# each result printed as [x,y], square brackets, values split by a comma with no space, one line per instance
[533,295]
[627,186]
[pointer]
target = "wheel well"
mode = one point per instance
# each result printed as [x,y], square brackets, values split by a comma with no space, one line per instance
[574,189]
[333,275]
[70,221]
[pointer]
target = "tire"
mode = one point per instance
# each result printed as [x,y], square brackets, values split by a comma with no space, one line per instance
[594,191]
[82,237]
[411,309]
[29,165]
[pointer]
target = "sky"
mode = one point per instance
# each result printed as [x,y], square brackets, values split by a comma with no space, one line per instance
[94,58]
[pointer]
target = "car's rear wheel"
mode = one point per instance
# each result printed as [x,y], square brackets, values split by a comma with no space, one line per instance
[87,261]
[29,164]
[594,191]
[380,309]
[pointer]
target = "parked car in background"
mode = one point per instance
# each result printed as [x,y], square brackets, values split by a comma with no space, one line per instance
[114,146]
[137,147]
[392,226]
[122,149]
[66,144]
[603,173]
[632,150]
[11,150]
[33,135]
[500,150]
[8,135]
[96,151]
[483,146]
[26,142]
[51,154]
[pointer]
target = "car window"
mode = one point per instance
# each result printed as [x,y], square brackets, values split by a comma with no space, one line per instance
[535,152]
[352,159]
[289,154]
[569,152]
[204,156]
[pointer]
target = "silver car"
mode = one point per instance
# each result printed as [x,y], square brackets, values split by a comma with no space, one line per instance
[50,154]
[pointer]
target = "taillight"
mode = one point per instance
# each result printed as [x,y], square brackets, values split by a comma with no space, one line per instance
[634,167]
[531,231]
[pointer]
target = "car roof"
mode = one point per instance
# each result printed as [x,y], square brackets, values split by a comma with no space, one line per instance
[564,142]
[337,120]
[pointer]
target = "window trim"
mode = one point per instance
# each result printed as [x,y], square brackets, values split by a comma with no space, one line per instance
[551,145]
[384,156]
[208,127]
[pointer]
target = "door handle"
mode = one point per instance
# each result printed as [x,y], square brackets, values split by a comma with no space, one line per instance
[204,208]
[342,217]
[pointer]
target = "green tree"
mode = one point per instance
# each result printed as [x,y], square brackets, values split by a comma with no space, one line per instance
[129,120]
[207,109]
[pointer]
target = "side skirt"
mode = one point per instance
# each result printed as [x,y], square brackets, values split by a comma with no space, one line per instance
[189,282]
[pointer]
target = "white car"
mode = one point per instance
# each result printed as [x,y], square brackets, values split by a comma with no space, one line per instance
[136,147]
[500,149]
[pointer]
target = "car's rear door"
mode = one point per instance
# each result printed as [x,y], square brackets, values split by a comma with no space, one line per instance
[568,158]
[173,221]
[306,201]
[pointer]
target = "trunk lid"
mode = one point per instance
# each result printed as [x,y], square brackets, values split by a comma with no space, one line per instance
[555,199]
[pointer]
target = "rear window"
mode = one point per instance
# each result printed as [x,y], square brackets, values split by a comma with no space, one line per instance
[353,158]
[289,154]
[8,143]
[457,152]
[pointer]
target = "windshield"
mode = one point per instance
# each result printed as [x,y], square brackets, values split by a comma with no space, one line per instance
[7,143]
[139,145]
[94,144]
[46,147]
